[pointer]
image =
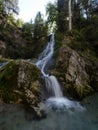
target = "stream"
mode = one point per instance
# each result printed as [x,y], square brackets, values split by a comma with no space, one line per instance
[14,117]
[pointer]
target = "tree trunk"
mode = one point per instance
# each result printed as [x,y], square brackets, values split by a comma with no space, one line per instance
[70,15]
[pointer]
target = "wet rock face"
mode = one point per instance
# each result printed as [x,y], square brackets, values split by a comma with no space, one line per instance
[71,71]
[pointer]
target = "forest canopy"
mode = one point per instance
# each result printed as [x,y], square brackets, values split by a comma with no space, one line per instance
[75,18]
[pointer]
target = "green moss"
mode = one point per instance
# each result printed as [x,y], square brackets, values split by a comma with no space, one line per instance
[9,96]
[9,80]
[35,73]
[8,76]
[78,92]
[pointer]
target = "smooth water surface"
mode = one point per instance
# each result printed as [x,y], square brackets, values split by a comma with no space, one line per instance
[13,117]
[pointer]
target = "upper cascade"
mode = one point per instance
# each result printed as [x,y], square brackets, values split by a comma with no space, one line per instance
[51,82]
[45,56]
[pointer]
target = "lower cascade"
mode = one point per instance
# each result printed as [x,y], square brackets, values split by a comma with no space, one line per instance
[53,87]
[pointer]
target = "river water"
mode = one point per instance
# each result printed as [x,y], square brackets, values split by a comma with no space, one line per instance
[14,117]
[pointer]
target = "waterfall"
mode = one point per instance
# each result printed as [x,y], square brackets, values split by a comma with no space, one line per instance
[53,87]
[52,84]
[3,64]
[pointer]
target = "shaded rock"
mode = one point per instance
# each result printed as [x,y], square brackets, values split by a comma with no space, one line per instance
[20,82]
[37,113]
[41,111]
[71,70]
[2,48]
[92,70]
[0,56]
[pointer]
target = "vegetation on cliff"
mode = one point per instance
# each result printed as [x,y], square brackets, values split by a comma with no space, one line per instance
[19,39]
[76,51]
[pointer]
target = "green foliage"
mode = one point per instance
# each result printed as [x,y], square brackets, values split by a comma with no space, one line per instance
[59,39]
[83,36]
[20,39]
[7,20]
[78,92]
[51,12]
[24,40]
[27,31]
[90,34]
[40,27]
[11,6]
[62,23]
[19,23]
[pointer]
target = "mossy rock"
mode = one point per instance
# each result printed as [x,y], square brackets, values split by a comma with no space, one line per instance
[16,78]
[78,92]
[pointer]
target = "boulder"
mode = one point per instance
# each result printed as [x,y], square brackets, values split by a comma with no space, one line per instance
[20,83]
[71,70]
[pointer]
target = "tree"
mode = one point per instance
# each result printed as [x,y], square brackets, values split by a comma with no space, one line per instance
[11,6]
[62,23]
[7,9]
[3,14]
[78,19]
[70,14]
[51,12]
[19,23]
[27,31]
[38,26]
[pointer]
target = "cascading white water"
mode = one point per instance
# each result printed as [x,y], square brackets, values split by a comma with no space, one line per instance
[51,81]
[57,100]
[53,86]
[46,56]
[3,64]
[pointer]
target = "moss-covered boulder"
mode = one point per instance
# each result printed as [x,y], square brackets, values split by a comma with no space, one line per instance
[20,82]
[71,70]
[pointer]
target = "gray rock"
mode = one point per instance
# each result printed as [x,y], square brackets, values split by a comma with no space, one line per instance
[71,70]
[22,82]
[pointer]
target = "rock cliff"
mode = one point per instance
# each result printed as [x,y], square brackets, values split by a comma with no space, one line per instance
[76,73]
